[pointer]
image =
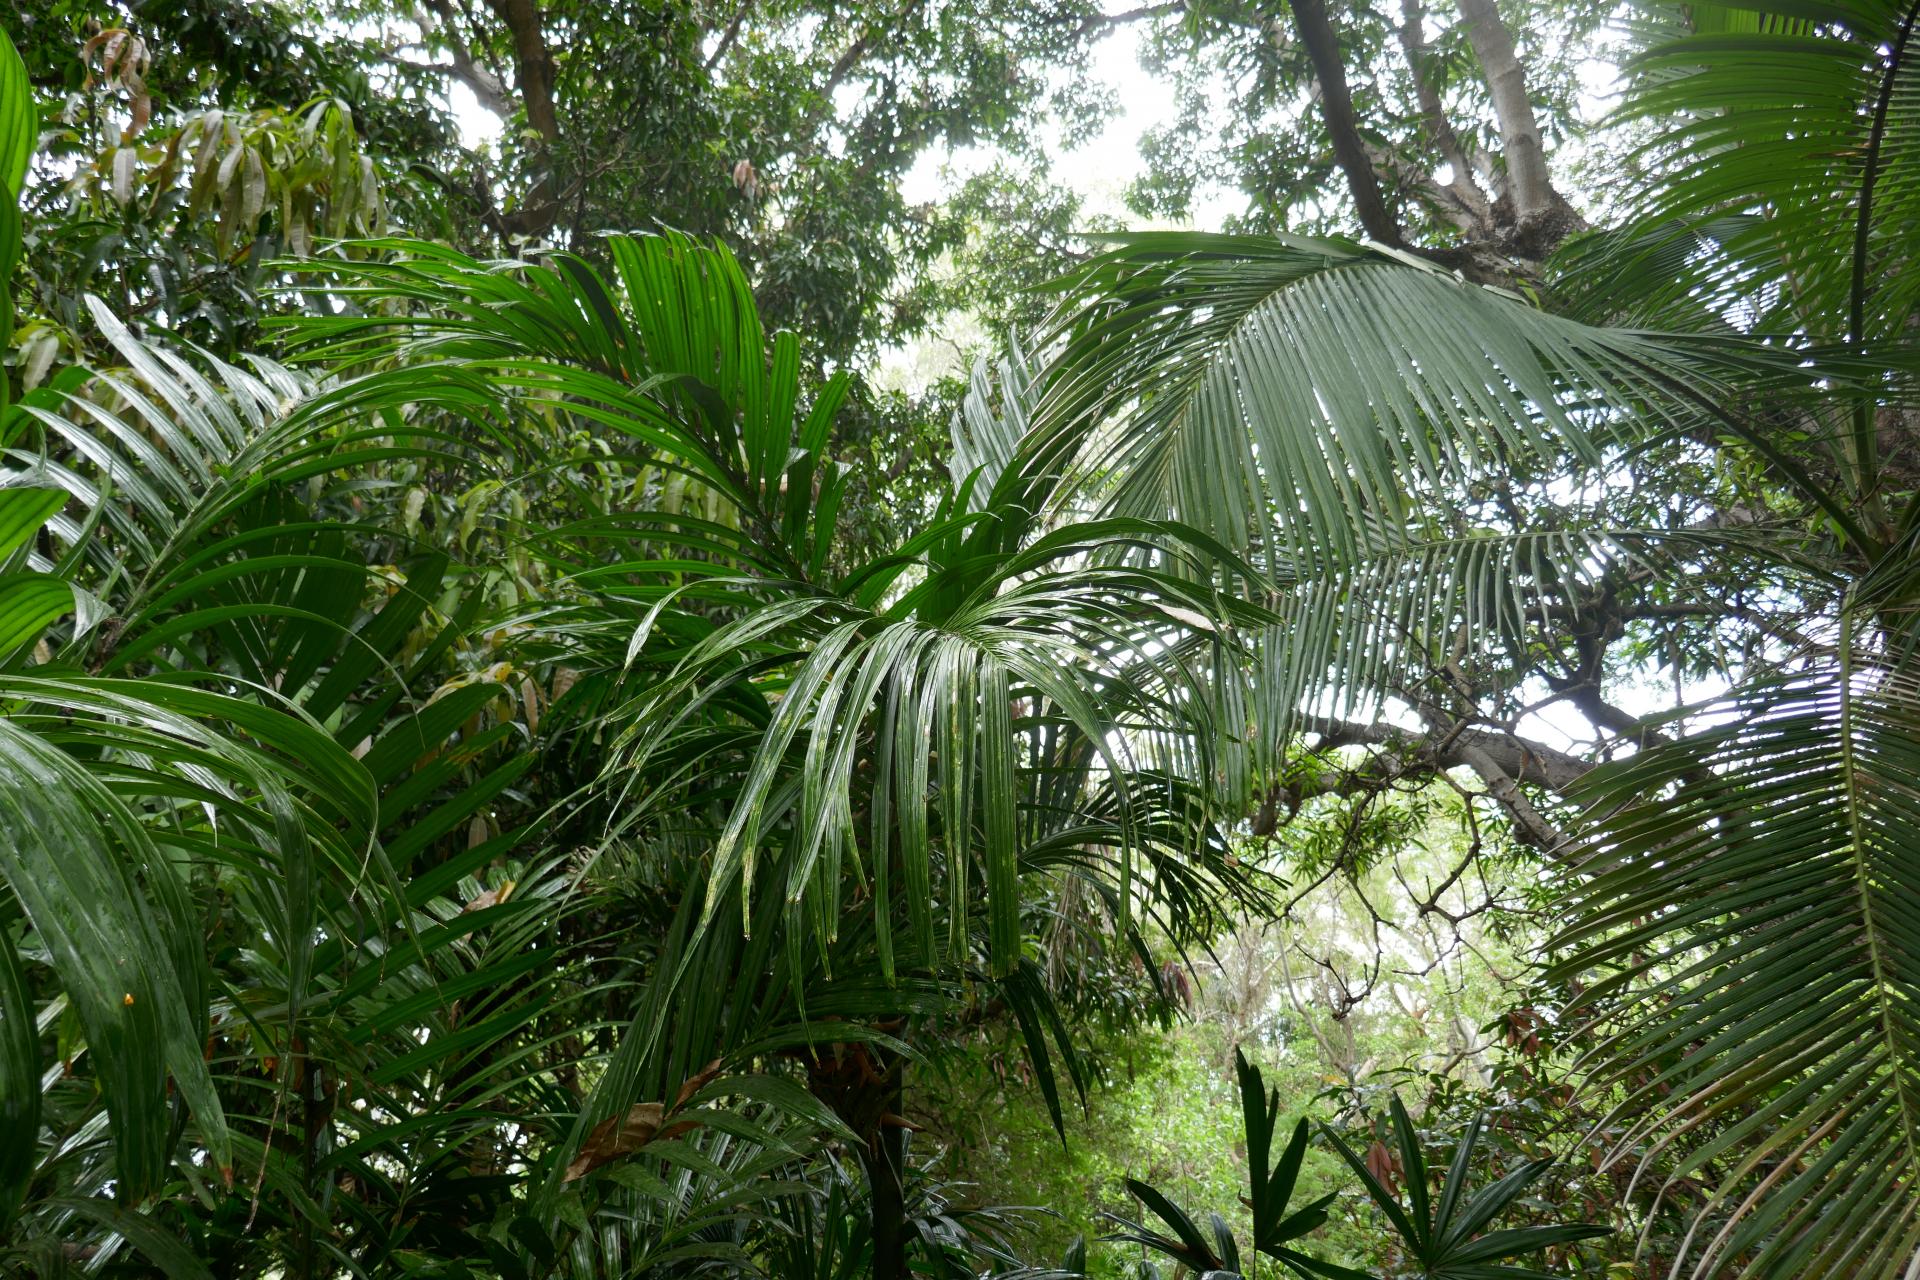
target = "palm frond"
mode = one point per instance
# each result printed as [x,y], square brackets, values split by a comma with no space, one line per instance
[1760,910]
[1786,136]
[1303,396]
[988,428]
[670,353]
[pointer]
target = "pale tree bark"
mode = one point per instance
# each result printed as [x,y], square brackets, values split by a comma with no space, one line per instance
[1509,217]
[1530,183]
[487,87]
[1475,208]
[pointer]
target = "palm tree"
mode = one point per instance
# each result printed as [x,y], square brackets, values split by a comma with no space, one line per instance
[1464,504]
[229,689]
[867,766]
[195,647]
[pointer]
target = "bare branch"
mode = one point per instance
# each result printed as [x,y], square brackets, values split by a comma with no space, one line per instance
[1465,193]
[1336,109]
[731,34]
[486,86]
[858,50]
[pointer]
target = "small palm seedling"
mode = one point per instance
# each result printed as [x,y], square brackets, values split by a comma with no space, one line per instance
[1277,1226]
[1442,1238]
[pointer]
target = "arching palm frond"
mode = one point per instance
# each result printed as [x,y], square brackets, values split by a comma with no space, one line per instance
[991,423]
[1344,414]
[225,736]
[930,707]
[911,662]
[881,764]
[669,353]
[110,784]
[1786,142]
[1305,396]
[1764,922]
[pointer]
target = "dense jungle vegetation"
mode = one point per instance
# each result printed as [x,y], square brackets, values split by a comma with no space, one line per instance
[596,684]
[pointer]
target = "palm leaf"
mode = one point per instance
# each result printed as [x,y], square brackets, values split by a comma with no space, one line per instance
[1762,916]
[117,926]
[19,1082]
[1302,396]
[1760,114]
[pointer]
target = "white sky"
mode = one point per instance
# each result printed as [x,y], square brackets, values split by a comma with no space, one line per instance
[1101,170]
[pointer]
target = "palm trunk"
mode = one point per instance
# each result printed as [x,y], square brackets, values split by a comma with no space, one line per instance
[886,1161]
[866,1088]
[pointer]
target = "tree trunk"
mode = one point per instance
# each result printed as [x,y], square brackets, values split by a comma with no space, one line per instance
[886,1162]
[866,1087]
[1526,156]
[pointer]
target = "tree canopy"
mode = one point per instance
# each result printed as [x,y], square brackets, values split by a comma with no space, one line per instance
[528,753]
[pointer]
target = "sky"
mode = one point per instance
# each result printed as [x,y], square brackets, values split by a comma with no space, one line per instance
[1101,170]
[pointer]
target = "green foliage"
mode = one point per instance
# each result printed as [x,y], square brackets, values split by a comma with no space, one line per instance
[481,795]
[1447,1238]
[1277,1225]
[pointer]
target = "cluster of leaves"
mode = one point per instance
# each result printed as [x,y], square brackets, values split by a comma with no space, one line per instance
[1443,1239]
[303,962]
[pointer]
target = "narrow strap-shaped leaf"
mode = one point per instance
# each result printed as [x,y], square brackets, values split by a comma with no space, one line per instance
[381,637]
[1200,1257]
[999,807]
[1496,1245]
[1496,1197]
[23,510]
[1413,1163]
[1381,1196]
[19,1082]
[174,1258]
[109,950]
[28,603]
[19,121]
[19,134]
[1258,1124]
[1443,1225]
[1279,1187]
[426,731]
[1307,1265]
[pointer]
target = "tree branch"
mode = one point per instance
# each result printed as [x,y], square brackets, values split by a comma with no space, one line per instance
[1409,175]
[1466,193]
[533,66]
[486,86]
[1336,109]
[1096,20]
[727,37]
[1534,197]
[1533,763]
[848,60]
